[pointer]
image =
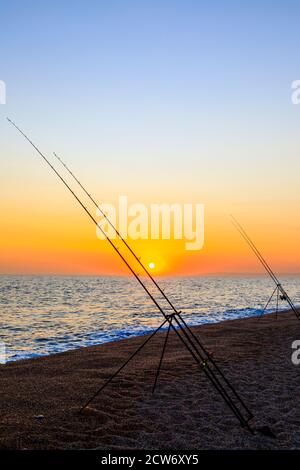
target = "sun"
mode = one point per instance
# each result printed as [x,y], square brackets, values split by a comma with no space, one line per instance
[151,265]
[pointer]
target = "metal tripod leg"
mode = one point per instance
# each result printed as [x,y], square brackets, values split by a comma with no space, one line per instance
[162,356]
[122,367]
[277,300]
[266,306]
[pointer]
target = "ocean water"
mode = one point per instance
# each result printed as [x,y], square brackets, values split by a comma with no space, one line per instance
[42,315]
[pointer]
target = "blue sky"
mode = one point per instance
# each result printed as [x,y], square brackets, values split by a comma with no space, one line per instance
[149,82]
[151,76]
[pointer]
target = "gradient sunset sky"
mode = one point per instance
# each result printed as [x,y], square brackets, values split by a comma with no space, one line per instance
[162,101]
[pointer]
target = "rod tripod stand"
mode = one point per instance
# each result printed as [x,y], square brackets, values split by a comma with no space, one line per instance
[203,359]
[279,290]
[279,294]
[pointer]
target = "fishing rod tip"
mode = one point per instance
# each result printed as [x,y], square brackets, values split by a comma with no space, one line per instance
[233,220]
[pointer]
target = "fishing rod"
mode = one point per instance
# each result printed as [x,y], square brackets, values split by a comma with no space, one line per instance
[279,288]
[88,213]
[117,233]
[254,249]
[189,340]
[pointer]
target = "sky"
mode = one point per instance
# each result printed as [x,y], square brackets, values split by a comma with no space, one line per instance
[161,101]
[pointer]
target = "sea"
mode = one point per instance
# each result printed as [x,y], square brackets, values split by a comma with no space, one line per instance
[42,315]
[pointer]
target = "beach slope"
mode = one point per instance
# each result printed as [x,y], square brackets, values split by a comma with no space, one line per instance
[40,398]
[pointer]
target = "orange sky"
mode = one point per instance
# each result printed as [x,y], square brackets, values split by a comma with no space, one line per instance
[44,232]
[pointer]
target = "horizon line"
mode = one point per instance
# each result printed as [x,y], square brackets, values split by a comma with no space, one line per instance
[283,273]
